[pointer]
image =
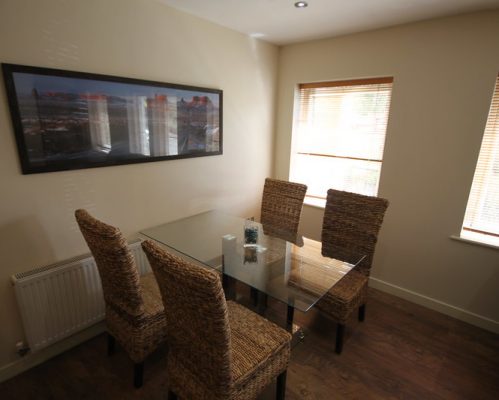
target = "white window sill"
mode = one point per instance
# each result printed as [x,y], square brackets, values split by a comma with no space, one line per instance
[476,242]
[315,204]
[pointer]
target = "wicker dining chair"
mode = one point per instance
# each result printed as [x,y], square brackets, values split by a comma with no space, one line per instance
[134,311]
[282,203]
[350,228]
[217,349]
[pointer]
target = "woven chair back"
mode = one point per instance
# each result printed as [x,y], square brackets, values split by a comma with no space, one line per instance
[198,332]
[282,203]
[117,269]
[351,225]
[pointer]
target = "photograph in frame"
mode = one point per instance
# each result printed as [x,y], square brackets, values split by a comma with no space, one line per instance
[70,120]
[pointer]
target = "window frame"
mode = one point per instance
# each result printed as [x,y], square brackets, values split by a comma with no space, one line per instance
[472,225]
[319,201]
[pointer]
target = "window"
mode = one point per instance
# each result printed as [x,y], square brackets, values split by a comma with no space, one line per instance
[339,136]
[481,220]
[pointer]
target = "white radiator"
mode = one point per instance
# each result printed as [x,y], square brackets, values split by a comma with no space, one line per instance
[58,300]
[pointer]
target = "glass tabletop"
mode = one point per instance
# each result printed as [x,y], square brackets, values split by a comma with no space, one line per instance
[286,267]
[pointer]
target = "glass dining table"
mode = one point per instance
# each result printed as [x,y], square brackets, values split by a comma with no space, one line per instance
[289,268]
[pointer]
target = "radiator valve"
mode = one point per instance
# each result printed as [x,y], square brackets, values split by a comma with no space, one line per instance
[21,349]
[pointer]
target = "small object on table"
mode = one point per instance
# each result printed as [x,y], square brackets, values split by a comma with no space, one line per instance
[250,232]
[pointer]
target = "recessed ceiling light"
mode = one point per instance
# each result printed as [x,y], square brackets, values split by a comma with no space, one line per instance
[301,4]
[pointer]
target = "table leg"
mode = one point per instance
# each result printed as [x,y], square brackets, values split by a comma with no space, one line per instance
[261,302]
[227,283]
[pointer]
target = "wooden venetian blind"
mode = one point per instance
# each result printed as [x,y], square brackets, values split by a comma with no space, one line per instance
[481,220]
[339,136]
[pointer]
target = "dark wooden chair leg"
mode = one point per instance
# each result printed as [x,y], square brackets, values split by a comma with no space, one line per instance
[138,374]
[281,386]
[111,344]
[362,312]
[254,296]
[290,316]
[172,396]
[340,332]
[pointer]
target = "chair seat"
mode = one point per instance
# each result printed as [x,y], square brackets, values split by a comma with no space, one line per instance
[260,351]
[255,342]
[141,335]
[345,297]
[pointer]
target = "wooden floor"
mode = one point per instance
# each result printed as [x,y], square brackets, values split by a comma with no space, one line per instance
[401,351]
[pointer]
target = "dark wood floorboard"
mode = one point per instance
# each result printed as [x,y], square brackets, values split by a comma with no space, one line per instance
[401,351]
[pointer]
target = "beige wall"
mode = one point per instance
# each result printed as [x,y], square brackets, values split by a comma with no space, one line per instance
[444,72]
[138,39]
[431,149]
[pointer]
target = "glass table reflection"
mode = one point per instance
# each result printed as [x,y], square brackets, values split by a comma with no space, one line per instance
[288,268]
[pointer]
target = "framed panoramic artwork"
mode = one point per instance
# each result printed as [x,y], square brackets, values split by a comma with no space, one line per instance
[67,120]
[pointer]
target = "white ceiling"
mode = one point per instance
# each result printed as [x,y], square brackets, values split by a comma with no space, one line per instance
[279,22]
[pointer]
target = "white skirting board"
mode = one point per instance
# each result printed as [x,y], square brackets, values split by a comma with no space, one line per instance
[437,305]
[33,359]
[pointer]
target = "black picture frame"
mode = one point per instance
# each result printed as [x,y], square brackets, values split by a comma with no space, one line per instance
[66,120]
